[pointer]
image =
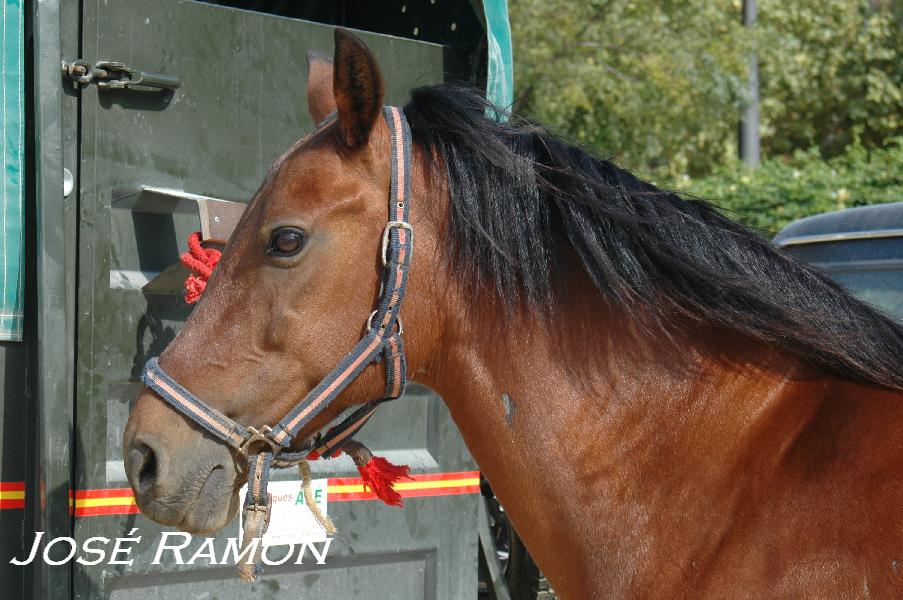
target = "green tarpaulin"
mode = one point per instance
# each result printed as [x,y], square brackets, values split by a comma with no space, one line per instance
[12,280]
[500,70]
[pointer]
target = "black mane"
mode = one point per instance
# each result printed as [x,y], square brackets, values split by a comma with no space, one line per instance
[524,200]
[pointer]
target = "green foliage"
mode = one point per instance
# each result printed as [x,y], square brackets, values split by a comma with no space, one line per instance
[659,85]
[655,85]
[831,72]
[783,190]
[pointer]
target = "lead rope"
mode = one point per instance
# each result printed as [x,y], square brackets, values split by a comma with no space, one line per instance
[324,521]
[258,508]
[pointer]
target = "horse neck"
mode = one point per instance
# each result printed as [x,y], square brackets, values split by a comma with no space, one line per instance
[630,471]
[600,458]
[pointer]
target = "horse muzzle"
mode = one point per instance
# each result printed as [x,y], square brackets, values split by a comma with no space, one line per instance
[179,474]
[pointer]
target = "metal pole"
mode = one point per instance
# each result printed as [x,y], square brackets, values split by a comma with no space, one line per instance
[749,123]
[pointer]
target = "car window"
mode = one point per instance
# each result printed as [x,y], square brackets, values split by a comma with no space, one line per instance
[879,287]
[871,268]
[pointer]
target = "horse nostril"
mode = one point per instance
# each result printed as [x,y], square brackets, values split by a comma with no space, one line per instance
[147,474]
[144,465]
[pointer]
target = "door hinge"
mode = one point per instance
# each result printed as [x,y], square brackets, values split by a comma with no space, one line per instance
[112,75]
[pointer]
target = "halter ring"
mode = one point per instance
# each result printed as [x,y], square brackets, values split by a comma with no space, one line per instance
[397,321]
[259,436]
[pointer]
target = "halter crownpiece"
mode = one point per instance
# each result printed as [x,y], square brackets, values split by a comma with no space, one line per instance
[270,446]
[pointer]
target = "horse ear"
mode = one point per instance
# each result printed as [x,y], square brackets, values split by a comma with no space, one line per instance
[320,99]
[358,88]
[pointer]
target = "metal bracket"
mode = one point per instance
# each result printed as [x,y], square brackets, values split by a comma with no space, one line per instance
[149,225]
[112,75]
[217,217]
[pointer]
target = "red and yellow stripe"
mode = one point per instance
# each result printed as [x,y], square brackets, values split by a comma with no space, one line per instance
[343,489]
[120,501]
[93,503]
[12,495]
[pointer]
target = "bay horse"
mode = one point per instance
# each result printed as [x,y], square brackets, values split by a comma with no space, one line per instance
[666,404]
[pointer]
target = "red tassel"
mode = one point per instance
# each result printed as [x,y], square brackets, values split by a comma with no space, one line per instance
[201,261]
[379,475]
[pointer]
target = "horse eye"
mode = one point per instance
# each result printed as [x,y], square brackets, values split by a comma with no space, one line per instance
[286,241]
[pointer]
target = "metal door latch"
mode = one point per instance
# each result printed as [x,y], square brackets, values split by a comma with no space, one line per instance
[111,75]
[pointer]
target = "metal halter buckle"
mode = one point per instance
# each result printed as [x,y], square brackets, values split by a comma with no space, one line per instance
[256,507]
[387,230]
[259,436]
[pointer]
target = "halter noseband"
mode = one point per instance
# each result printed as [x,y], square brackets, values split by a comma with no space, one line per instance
[269,447]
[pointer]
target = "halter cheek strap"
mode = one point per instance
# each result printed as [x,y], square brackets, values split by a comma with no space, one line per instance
[269,447]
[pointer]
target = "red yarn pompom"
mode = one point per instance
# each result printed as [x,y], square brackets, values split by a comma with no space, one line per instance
[379,475]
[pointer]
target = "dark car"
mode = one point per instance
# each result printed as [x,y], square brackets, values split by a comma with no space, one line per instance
[862,248]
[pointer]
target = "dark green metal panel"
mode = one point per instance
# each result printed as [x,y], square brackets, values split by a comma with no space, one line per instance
[49,426]
[241,104]
[13,468]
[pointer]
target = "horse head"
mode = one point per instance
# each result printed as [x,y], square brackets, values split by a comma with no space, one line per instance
[288,299]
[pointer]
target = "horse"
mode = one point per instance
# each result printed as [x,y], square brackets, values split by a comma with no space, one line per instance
[726,421]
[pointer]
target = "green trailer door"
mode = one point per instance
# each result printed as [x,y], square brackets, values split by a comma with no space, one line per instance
[241,103]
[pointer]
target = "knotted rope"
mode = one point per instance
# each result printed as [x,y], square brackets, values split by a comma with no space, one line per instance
[200,261]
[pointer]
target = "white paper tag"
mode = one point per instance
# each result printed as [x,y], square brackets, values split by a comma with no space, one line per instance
[291,522]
